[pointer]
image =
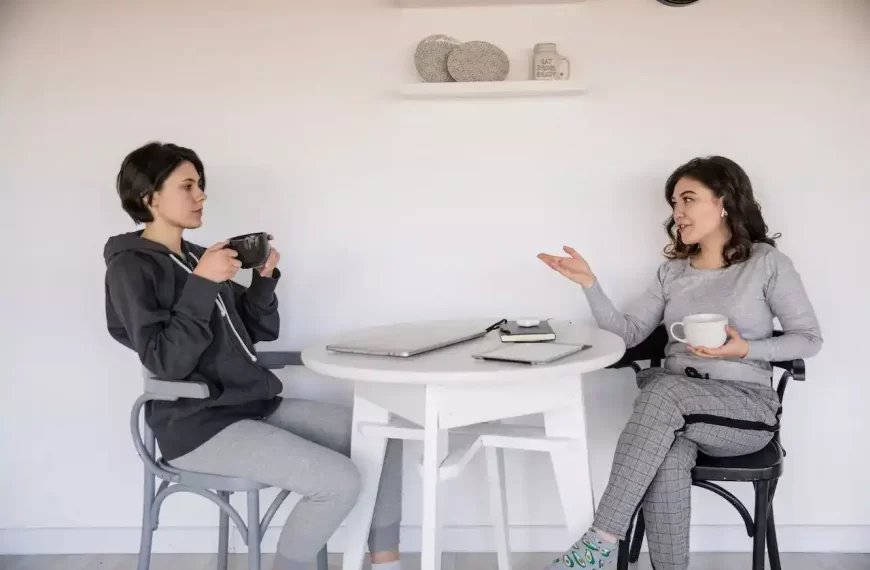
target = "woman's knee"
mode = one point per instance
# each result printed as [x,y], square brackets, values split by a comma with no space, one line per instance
[339,482]
[350,482]
[680,457]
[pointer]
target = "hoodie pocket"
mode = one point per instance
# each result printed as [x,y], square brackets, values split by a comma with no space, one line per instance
[236,375]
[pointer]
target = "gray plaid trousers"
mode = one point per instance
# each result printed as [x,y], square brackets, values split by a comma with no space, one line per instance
[675,416]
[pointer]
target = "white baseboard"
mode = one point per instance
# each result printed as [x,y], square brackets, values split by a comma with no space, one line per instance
[792,538]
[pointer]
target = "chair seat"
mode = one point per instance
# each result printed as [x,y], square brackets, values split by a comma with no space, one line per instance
[213,482]
[759,466]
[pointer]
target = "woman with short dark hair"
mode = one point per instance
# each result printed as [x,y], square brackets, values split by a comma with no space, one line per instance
[174,303]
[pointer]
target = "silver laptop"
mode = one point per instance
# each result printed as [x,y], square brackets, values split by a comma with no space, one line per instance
[411,342]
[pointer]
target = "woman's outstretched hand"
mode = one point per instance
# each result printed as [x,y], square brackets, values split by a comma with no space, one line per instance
[574,267]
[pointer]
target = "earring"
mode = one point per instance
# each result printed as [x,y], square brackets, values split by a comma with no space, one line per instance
[724,213]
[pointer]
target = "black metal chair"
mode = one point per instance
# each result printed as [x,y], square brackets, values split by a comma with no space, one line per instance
[763,468]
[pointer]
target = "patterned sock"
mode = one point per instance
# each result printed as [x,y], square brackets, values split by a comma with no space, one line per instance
[589,552]
[395,565]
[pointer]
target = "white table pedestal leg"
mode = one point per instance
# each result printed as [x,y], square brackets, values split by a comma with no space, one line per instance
[571,465]
[498,505]
[367,453]
[434,452]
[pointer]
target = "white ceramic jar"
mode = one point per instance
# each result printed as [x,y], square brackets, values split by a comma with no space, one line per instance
[548,64]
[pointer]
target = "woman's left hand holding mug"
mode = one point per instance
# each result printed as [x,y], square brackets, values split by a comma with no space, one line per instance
[272,262]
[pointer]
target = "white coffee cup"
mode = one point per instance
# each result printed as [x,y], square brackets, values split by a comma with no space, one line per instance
[704,329]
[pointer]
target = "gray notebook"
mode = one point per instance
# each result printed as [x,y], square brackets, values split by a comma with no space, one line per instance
[532,353]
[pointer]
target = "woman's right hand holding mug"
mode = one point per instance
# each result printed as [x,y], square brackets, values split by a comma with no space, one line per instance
[574,267]
[218,263]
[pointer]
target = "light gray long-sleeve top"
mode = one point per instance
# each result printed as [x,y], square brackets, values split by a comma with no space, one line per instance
[750,293]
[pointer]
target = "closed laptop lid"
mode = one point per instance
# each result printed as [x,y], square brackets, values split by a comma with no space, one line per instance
[407,342]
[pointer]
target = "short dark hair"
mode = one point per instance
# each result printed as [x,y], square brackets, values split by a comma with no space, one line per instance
[729,182]
[144,171]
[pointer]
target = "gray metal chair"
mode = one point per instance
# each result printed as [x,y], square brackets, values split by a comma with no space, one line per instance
[215,488]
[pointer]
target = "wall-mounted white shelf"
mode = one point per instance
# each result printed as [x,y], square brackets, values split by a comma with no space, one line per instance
[476,3]
[491,89]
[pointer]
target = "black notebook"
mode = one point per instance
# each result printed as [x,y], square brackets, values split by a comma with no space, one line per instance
[512,332]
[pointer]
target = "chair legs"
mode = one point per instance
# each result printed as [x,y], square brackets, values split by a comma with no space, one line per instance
[772,544]
[223,534]
[147,523]
[762,505]
[622,555]
[764,528]
[253,530]
[253,539]
[145,546]
[637,540]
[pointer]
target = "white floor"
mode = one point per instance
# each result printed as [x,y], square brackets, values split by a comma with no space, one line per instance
[451,561]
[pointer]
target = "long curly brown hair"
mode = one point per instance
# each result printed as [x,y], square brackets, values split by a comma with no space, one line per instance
[729,182]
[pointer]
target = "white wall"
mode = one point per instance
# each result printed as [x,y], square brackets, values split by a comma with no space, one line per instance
[392,210]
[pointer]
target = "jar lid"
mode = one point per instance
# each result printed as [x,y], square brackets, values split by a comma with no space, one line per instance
[545,46]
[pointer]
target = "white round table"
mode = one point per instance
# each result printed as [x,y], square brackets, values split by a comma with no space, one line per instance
[449,390]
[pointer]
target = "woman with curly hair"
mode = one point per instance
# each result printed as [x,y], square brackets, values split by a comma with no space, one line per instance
[719,400]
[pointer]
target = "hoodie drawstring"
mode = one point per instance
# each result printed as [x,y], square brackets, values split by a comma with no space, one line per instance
[221,305]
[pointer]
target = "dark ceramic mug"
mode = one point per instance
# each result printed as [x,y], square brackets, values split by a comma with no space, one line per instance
[253,249]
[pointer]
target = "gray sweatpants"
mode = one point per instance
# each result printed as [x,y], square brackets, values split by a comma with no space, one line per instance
[304,447]
[675,416]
